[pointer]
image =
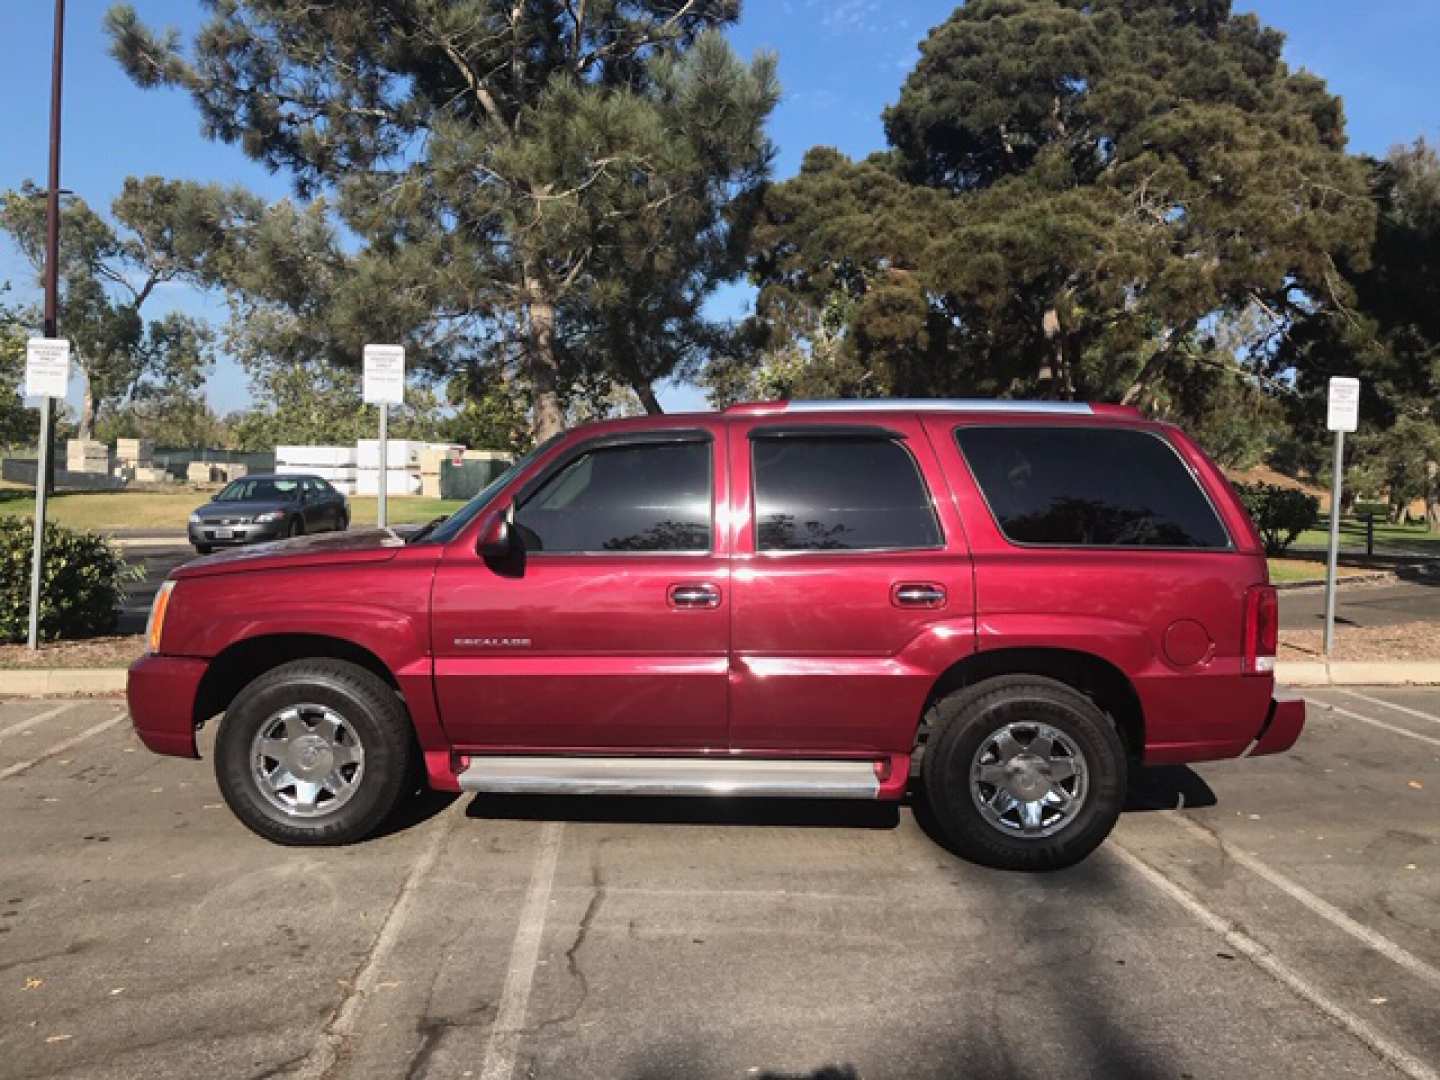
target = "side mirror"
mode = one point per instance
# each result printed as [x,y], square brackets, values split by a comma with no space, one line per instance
[497,538]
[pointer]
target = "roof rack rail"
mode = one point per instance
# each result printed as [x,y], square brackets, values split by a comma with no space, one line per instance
[981,405]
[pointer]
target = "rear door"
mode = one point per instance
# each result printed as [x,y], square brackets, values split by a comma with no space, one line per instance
[611,631]
[848,557]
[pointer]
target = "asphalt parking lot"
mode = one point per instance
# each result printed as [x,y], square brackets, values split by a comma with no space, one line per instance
[1279,916]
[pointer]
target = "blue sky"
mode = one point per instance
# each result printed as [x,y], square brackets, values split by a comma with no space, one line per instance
[841,62]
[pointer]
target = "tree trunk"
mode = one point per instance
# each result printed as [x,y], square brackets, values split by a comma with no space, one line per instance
[547,419]
[88,411]
[646,393]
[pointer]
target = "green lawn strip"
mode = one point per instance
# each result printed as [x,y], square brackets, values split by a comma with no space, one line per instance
[1388,537]
[169,511]
[1285,571]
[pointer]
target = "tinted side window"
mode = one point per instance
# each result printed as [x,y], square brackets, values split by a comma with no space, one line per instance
[829,494]
[1089,486]
[623,498]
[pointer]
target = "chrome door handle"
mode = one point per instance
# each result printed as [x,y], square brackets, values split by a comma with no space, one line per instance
[693,594]
[921,594]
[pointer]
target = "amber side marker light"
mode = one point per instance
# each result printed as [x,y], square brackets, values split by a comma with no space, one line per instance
[156,625]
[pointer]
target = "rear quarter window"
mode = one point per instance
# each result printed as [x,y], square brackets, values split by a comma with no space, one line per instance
[1089,487]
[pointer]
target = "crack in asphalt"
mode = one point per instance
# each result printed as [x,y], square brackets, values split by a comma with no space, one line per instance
[572,954]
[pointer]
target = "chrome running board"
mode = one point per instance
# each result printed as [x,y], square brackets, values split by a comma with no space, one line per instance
[743,777]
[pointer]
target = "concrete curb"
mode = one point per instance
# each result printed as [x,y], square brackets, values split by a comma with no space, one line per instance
[1358,673]
[18,682]
[1353,579]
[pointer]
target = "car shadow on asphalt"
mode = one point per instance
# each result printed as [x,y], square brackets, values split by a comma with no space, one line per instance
[665,810]
[1168,787]
[420,808]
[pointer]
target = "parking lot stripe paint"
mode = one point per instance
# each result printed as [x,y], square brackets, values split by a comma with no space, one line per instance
[520,976]
[1327,911]
[1381,724]
[39,718]
[1391,1053]
[326,1051]
[1391,705]
[61,747]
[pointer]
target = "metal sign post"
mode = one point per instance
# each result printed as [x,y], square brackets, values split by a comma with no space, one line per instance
[1343,415]
[384,385]
[47,375]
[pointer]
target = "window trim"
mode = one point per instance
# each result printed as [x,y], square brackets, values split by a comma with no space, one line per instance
[657,437]
[820,432]
[1030,545]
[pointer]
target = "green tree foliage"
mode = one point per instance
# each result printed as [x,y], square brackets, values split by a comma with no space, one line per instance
[314,403]
[80,589]
[107,277]
[1281,514]
[169,421]
[19,426]
[543,191]
[1076,191]
[1389,338]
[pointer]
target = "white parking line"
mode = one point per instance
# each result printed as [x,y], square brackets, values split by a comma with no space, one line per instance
[60,748]
[1390,1052]
[326,1052]
[39,718]
[1391,705]
[520,977]
[1381,724]
[1327,911]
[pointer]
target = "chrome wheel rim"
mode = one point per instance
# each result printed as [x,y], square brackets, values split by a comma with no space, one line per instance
[307,760]
[1029,780]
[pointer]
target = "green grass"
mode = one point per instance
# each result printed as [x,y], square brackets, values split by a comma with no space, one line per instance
[1388,538]
[1284,571]
[168,511]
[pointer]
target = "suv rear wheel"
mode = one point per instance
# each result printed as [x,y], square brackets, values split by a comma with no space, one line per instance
[315,752]
[1023,772]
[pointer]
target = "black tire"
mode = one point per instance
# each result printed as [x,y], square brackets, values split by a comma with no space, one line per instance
[961,723]
[203,549]
[371,710]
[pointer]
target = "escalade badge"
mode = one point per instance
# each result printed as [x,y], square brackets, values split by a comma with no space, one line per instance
[493,642]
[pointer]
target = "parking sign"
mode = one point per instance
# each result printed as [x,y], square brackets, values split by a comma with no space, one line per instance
[1344,412]
[384,375]
[47,367]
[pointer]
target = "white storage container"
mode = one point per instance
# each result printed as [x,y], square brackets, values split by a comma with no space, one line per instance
[315,456]
[397,482]
[399,453]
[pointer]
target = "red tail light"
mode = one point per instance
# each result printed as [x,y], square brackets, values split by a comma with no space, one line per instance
[1262,630]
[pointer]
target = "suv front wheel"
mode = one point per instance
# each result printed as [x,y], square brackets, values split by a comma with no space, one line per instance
[315,752]
[1023,772]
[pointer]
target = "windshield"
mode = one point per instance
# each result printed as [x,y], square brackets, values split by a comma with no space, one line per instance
[247,490]
[457,521]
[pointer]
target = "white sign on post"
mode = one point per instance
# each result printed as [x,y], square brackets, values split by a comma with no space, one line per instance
[384,375]
[47,367]
[1344,412]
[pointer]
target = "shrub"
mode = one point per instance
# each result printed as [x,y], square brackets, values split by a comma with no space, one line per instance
[81,588]
[1281,514]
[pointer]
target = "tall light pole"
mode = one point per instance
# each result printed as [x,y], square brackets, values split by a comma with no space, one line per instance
[44,467]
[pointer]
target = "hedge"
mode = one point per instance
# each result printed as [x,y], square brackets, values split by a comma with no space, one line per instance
[81,587]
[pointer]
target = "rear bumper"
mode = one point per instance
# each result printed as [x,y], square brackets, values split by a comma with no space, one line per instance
[161,693]
[1282,726]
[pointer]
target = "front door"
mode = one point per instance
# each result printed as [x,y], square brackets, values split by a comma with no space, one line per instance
[610,631]
[851,580]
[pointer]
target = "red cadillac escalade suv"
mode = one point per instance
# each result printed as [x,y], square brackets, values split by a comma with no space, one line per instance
[1006,606]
